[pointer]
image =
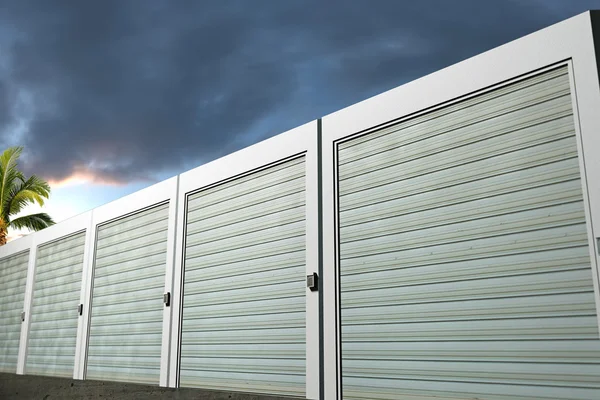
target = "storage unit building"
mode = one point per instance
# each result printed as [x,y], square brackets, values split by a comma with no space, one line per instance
[440,240]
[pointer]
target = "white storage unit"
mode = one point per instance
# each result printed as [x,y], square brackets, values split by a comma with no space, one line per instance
[464,260]
[13,275]
[127,298]
[54,316]
[244,288]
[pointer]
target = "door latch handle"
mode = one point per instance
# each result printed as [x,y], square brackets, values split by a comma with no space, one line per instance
[312,282]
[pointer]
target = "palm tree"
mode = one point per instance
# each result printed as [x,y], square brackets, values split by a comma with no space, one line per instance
[17,192]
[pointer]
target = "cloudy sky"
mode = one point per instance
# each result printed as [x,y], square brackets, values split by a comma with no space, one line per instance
[111,96]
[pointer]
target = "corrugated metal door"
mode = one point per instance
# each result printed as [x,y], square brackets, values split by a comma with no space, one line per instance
[465,269]
[244,294]
[13,276]
[57,287]
[127,304]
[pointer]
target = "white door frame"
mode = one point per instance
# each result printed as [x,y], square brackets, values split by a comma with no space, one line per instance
[568,41]
[298,141]
[162,192]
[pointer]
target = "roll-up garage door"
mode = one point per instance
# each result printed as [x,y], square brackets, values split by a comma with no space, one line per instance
[13,276]
[244,294]
[464,260]
[57,288]
[127,303]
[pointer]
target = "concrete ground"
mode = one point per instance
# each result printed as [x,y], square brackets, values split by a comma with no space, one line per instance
[45,388]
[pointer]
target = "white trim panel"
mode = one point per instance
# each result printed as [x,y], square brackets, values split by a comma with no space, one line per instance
[16,246]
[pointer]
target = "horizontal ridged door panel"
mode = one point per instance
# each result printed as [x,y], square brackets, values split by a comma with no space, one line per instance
[13,276]
[464,262]
[244,302]
[57,288]
[127,307]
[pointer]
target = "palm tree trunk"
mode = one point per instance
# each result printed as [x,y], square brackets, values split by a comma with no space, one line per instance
[3,232]
[3,237]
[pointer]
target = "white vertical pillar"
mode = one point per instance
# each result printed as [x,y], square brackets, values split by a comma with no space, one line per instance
[176,283]
[312,265]
[584,69]
[86,284]
[167,332]
[27,303]
[329,285]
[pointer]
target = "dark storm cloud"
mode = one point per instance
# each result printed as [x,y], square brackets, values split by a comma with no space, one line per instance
[125,90]
[5,108]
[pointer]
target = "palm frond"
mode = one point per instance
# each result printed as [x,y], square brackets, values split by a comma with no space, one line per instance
[33,190]
[9,176]
[23,198]
[34,222]
[16,192]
